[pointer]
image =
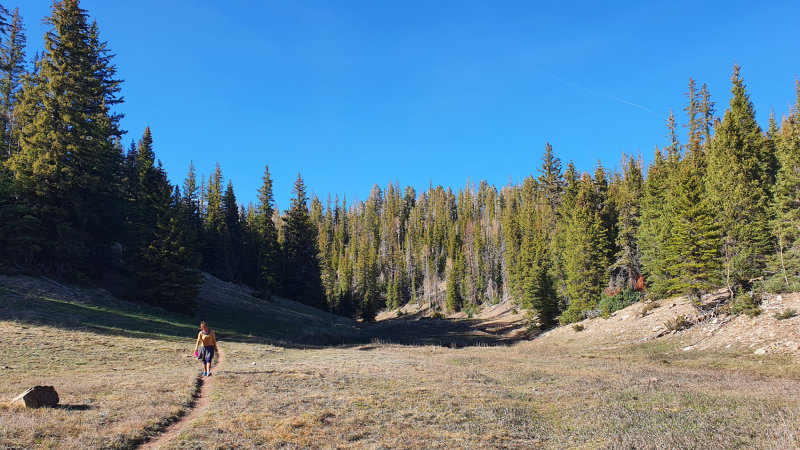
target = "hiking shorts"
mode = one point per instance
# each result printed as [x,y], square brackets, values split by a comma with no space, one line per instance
[205,354]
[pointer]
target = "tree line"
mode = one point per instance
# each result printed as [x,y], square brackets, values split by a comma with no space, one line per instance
[718,207]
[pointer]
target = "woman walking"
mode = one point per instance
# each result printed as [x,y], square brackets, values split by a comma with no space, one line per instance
[205,347]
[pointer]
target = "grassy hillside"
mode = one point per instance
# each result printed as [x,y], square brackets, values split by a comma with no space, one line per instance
[123,371]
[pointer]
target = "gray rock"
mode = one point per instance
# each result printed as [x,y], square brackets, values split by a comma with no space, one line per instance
[38,396]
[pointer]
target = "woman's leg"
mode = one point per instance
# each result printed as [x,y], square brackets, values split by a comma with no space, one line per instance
[208,368]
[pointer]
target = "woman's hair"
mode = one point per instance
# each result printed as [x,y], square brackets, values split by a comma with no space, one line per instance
[202,323]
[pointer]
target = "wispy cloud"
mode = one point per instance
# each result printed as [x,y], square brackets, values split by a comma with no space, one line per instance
[583,88]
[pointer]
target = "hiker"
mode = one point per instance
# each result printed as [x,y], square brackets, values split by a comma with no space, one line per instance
[205,347]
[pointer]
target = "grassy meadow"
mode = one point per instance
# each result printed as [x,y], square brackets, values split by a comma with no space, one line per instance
[123,372]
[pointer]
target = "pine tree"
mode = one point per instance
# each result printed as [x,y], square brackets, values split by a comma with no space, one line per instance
[692,247]
[217,257]
[12,68]
[585,257]
[627,266]
[738,159]
[232,237]
[269,249]
[167,271]
[786,203]
[69,157]
[302,273]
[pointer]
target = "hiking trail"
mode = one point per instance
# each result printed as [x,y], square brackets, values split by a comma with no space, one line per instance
[201,400]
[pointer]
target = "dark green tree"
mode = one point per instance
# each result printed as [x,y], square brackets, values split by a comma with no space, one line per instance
[737,186]
[302,273]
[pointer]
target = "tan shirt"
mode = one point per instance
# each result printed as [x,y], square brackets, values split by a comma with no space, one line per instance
[206,340]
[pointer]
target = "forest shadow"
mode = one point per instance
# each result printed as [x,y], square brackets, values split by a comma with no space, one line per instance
[445,332]
[237,323]
[134,320]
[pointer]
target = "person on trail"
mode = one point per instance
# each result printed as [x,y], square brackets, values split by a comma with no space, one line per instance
[205,347]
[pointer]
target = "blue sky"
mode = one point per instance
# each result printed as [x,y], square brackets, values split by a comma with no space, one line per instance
[356,92]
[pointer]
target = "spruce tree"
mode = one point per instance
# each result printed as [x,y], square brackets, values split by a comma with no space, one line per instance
[627,266]
[692,247]
[585,257]
[69,157]
[269,248]
[738,159]
[302,273]
[12,68]
[167,271]
[785,206]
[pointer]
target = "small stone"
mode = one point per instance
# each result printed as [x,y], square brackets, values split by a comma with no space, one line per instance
[37,397]
[533,389]
[686,349]
[761,351]
[715,321]
[254,363]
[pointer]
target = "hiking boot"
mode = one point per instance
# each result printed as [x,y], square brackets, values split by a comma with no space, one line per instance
[205,373]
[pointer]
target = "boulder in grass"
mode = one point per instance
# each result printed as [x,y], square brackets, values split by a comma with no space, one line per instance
[38,396]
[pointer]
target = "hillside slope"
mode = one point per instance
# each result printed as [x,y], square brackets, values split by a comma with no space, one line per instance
[229,308]
[706,330]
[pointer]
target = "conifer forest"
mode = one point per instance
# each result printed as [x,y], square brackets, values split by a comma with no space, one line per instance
[717,208]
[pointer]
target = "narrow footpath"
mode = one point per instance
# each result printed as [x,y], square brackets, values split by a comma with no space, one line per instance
[201,401]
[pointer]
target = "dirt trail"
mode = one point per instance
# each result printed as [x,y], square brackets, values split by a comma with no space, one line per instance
[201,401]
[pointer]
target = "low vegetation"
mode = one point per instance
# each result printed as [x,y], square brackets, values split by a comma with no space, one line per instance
[123,381]
[678,323]
[787,313]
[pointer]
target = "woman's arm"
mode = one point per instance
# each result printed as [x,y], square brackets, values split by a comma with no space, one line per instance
[197,343]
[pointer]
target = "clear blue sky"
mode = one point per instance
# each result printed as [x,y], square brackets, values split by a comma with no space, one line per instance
[356,92]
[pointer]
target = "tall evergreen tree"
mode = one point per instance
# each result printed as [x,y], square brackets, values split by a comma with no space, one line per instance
[738,158]
[786,203]
[302,274]
[12,68]
[269,248]
[585,259]
[69,157]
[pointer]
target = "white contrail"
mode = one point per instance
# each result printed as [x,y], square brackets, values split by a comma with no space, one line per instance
[585,89]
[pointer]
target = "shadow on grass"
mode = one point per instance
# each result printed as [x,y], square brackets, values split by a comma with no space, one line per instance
[70,407]
[121,318]
[237,323]
[443,332]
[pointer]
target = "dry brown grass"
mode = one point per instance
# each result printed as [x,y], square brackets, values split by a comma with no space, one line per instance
[527,395]
[614,385]
[113,390]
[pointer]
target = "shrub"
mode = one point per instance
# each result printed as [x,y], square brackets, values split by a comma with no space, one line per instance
[785,314]
[678,323]
[400,313]
[532,321]
[470,310]
[437,315]
[777,284]
[747,303]
[648,307]
[578,327]
[570,316]
[622,299]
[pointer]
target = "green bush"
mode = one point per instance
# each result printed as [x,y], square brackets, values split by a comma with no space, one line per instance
[785,314]
[532,321]
[748,303]
[610,304]
[470,310]
[570,316]
[777,284]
